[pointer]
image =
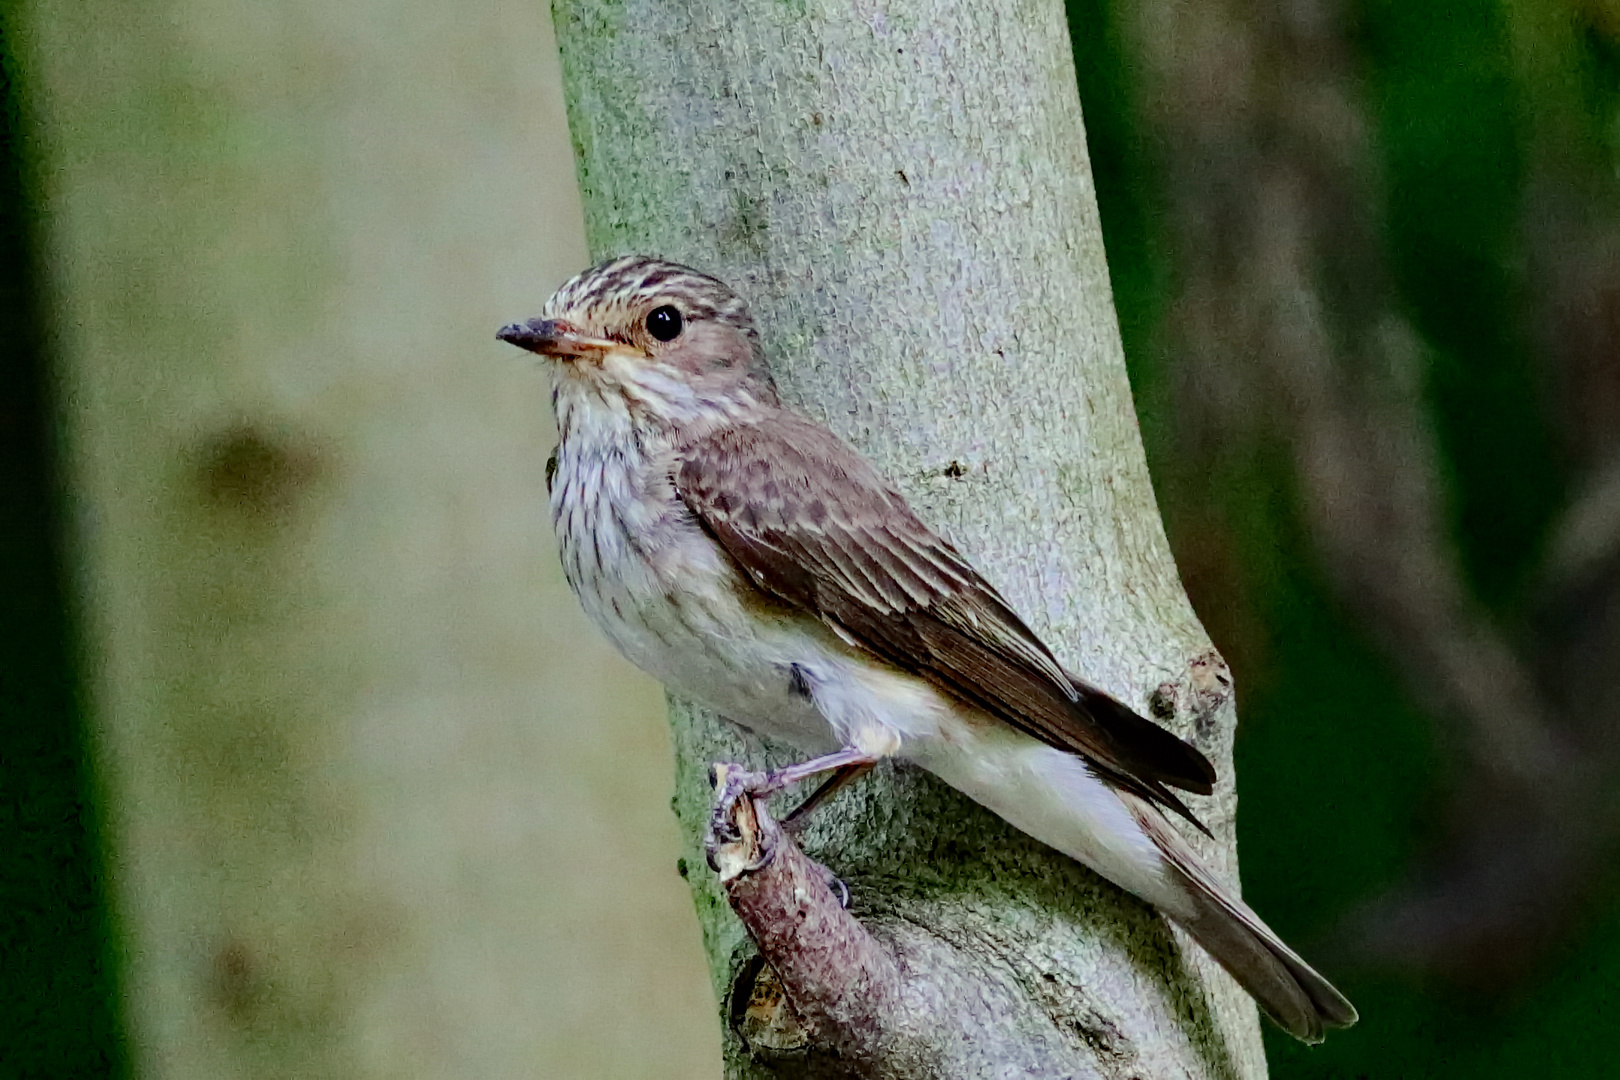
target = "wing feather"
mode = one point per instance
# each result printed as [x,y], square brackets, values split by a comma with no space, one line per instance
[918,591]
[814,526]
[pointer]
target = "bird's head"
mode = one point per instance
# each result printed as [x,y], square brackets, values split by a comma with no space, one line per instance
[642,326]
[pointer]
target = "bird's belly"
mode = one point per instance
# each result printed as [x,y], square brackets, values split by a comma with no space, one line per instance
[670,602]
[1055,797]
[675,605]
[743,672]
[782,675]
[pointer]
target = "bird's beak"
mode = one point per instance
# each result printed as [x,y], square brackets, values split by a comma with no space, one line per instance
[548,337]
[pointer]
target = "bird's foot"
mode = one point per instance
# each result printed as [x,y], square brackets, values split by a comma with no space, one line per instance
[731,782]
[835,884]
[742,836]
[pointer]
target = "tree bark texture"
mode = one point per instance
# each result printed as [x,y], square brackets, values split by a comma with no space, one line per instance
[902,192]
[357,824]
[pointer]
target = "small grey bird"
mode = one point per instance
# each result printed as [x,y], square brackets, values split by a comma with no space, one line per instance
[753,562]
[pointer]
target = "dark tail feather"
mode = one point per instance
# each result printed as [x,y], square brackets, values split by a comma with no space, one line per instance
[1149,750]
[1288,990]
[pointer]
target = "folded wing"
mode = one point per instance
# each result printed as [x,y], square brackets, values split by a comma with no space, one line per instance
[814,526]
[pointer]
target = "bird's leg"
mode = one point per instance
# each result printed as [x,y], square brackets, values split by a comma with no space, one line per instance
[848,757]
[732,783]
[840,778]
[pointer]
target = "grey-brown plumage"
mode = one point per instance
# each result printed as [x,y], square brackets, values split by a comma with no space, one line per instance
[752,561]
[813,525]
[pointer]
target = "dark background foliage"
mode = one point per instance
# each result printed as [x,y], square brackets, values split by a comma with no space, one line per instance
[1486,181]
[1464,190]
[56,984]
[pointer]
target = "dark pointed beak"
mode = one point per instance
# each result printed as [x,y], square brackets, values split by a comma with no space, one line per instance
[549,337]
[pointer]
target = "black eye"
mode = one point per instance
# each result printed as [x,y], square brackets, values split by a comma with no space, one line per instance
[664,323]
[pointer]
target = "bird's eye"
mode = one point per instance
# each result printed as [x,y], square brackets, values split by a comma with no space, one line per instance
[664,323]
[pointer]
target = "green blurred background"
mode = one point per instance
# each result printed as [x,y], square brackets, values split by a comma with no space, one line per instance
[1451,168]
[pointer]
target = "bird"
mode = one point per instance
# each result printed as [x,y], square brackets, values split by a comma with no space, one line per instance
[750,560]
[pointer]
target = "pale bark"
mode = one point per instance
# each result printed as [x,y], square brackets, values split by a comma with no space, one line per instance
[366,767]
[902,192]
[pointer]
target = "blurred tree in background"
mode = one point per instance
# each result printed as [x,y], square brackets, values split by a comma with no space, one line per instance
[1367,263]
[368,773]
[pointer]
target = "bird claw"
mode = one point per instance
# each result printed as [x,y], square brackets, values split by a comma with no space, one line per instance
[835,885]
[742,837]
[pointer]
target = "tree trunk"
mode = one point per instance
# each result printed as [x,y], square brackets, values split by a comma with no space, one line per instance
[902,192]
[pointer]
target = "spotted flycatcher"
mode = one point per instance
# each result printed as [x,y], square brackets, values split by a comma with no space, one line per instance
[753,562]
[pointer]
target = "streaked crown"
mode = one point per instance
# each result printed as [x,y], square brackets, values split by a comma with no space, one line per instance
[613,294]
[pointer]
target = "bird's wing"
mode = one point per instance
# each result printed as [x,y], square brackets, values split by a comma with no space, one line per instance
[813,525]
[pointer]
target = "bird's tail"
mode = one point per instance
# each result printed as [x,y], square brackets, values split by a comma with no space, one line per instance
[1287,989]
